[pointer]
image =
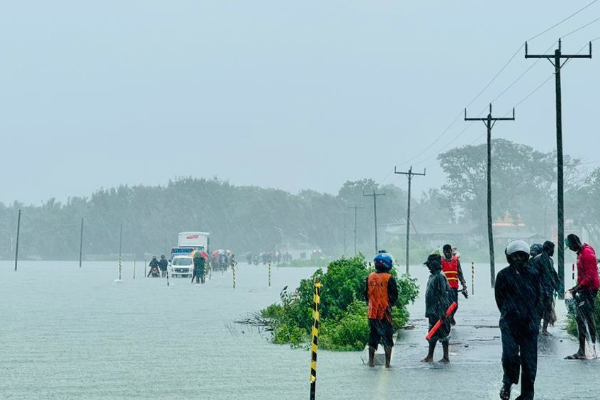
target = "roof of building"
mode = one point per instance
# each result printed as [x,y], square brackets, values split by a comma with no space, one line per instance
[431,229]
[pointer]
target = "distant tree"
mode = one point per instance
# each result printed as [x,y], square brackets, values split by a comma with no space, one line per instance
[523,181]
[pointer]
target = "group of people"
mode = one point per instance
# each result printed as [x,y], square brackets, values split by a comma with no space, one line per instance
[525,297]
[158,268]
[524,293]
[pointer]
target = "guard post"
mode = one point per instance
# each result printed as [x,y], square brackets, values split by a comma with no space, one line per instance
[315,340]
[472,278]
[233,268]
[269,273]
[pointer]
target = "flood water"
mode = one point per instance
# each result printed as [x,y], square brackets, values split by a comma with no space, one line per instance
[70,333]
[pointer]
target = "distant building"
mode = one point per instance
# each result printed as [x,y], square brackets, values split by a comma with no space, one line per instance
[436,235]
[503,239]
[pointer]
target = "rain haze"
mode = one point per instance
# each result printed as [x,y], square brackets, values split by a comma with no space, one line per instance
[201,196]
[290,96]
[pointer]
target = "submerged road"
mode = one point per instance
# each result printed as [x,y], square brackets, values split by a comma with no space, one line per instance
[71,333]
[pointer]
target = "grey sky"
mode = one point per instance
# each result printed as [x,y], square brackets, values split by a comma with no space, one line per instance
[271,93]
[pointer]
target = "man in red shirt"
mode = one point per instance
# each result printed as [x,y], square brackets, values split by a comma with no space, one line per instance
[584,292]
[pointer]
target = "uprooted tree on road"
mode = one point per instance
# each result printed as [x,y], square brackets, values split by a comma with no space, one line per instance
[343,309]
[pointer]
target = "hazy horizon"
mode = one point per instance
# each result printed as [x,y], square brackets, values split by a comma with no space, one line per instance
[288,96]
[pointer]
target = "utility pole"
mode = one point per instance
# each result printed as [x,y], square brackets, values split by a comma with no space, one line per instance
[489,123]
[374,195]
[344,220]
[410,175]
[555,59]
[81,243]
[355,209]
[17,245]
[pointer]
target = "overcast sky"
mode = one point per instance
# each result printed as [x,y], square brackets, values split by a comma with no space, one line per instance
[271,93]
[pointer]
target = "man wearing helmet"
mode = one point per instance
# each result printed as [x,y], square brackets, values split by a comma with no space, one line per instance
[517,292]
[153,267]
[381,293]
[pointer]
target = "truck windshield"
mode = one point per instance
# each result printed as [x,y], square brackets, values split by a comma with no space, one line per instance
[182,261]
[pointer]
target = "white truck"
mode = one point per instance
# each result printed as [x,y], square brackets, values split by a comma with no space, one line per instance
[182,264]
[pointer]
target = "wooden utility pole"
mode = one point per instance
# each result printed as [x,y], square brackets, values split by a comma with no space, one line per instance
[410,174]
[374,195]
[355,209]
[555,59]
[489,123]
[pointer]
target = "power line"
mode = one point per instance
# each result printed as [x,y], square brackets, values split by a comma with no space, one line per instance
[581,27]
[558,23]
[445,131]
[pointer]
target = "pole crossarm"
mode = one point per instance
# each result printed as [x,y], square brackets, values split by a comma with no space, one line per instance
[558,54]
[490,118]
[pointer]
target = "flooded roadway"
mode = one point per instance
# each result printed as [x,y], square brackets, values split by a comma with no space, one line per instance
[71,333]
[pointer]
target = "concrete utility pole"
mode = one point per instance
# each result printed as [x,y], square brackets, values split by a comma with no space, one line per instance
[355,209]
[489,122]
[374,195]
[555,59]
[81,243]
[410,174]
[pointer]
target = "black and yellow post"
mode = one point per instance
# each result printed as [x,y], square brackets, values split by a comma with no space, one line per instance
[233,268]
[269,273]
[315,340]
[472,278]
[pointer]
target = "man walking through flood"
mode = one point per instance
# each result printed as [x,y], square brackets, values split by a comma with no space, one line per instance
[549,282]
[453,272]
[584,292]
[381,293]
[163,264]
[437,301]
[517,293]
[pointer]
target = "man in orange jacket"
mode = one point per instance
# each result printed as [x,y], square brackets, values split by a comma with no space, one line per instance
[381,293]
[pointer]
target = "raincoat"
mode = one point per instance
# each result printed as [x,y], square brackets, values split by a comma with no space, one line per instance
[517,292]
[437,301]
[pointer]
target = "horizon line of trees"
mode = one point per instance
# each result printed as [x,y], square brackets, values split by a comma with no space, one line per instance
[254,219]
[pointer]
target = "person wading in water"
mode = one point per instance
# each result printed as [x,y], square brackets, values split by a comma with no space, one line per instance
[517,293]
[381,293]
[584,292]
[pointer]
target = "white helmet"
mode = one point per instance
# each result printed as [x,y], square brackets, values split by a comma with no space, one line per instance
[516,246]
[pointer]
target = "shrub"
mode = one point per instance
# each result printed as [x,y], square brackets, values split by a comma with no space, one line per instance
[572,325]
[343,308]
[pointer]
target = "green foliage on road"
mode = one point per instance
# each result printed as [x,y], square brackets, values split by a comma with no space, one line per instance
[572,325]
[343,309]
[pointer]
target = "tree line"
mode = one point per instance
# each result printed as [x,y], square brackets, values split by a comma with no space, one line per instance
[254,219]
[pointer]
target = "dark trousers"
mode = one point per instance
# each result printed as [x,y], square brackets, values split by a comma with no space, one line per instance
[454,298]
[519,352]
